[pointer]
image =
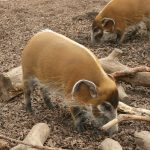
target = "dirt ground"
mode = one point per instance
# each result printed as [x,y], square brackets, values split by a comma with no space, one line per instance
[19,20]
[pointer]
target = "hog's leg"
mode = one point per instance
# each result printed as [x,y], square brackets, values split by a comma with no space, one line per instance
[28,88]
[120,37]
[120,31]
[79,118]
[45,94]
[147,22]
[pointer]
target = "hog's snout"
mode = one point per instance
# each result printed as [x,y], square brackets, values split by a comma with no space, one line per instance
[106,113]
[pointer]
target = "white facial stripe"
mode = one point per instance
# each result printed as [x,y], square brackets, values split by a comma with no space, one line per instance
[103,107]
[108,103]
[109,112]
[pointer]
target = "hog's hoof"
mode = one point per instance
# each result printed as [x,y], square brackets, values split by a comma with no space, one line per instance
[50,106]
[80,127]
[98,132]
[30,111]
[28,108]
[48,103]
[80,124]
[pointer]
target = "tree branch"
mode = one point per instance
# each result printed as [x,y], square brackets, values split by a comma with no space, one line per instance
[130,71]
[124,117]
[123,97]
[111,65]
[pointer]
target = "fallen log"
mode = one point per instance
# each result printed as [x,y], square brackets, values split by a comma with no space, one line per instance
[11,84]
[142,140]
[26,144]
[35,139]
[123,97]
[13,78]
[124,117]
[112,65]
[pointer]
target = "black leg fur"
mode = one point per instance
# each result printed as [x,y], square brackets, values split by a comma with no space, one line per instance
[79,117]
[45,93]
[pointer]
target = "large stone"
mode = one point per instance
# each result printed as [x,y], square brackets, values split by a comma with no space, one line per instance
[110,144]
[142,140]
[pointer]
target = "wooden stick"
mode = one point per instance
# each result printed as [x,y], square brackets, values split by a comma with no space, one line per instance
[123,117]
[122,94]
[132,110]
[115,54]
[14,96]
[130,71]
[30,145]
[35,138]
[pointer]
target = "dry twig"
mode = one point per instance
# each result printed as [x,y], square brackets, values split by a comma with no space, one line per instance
[130,71]
[123,117]
[132,110]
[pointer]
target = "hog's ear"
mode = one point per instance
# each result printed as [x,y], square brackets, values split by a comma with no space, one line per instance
[89,84]
[108,23]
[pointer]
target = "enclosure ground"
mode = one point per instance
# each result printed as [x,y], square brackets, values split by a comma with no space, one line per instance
[19,21]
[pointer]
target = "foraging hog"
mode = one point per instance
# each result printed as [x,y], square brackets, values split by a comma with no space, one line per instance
[117,16]
[72,71]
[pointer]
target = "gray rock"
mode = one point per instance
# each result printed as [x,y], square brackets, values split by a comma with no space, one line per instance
[142,140]
[110,144]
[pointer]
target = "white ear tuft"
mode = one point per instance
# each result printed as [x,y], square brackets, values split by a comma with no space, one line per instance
[91,85]
[106,21]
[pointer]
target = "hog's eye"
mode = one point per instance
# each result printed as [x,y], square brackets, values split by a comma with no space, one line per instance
[96,30]
[107,106]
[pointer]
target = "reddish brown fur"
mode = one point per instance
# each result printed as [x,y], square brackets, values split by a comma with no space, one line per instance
[125,13]
[53,58]
[60,63]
